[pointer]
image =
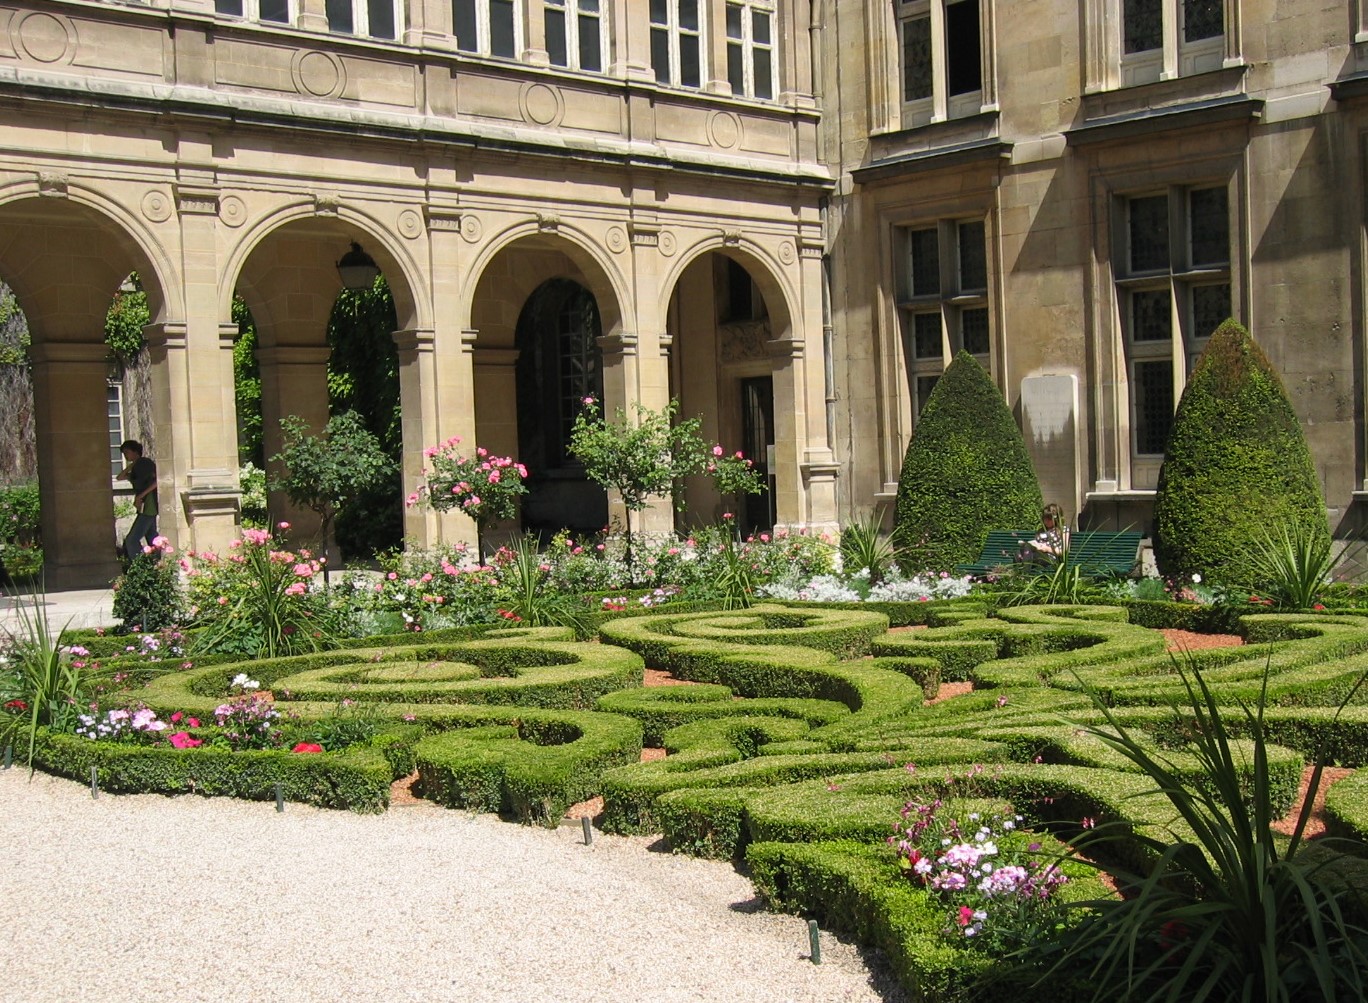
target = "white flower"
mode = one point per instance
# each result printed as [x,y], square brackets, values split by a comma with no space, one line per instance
[1196,578]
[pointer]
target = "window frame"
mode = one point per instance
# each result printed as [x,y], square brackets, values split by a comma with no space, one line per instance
[251,11]
[749,48]
[1177,278]
[939,104]
[1107,65]
[574,18]
[675,33]
[483,31]
[948,303]
[360,15]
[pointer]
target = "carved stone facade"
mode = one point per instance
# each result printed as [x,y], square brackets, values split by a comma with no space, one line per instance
[217,155]
[1076,193]
[1070,193]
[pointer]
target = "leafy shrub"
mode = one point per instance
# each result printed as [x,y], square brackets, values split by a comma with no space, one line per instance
[1236,467]
[253,481]
[20,516]
[147,596]
[966,472]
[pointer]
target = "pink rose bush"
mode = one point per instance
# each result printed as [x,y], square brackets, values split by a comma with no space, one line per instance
[483,486]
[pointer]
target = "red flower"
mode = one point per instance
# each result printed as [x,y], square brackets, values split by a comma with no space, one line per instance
[966,915]
[307,747]
[181,740]
[17,706]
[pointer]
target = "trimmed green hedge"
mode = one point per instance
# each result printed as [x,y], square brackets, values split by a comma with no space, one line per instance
[856,890]
[966,472]
[357,779]
[531,765]
[1236,466]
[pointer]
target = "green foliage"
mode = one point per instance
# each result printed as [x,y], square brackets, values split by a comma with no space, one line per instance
[966,472]
[247,387]
[1227,912]
[863,545]
[43,684]
[20,514]
[363,376]
[1237,466]
[147,597]
[128,315]
[643,459]
[258,601]
[253,481]
[1291,564]
[323,472]
[525,595]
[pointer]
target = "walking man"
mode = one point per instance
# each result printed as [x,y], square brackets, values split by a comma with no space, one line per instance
[141,472]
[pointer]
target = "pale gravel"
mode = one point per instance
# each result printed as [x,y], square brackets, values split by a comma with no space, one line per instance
[187,899]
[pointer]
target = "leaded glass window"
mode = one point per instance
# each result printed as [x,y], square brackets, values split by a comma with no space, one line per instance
[1143,25]
[1149,233]
[944,298]
[676,42]
[1202,19]
[750,49]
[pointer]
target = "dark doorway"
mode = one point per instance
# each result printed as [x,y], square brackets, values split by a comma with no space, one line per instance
[757,437]
[559,364]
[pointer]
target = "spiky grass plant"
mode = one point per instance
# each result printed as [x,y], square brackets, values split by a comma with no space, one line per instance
[1228,911]
[525,592]
[863,545]
[1291,565]
[45,678]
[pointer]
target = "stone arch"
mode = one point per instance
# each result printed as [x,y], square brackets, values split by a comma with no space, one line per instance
[65,248]
[346,224]
[769,275]
[285,268]
[732,367]
[603,278]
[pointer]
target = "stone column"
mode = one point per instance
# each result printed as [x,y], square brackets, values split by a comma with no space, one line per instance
[293,382]
[74,477]
[714,47]
[819,466]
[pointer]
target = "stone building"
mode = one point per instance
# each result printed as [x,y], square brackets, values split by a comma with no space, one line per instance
[789,214]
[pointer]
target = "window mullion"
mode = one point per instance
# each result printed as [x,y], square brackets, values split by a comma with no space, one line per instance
[1172,29]
[940,71]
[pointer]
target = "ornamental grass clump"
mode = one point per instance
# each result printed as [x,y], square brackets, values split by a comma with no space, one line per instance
[43,682]
[1227,909]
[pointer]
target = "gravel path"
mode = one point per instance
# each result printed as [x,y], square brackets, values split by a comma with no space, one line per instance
[192,899]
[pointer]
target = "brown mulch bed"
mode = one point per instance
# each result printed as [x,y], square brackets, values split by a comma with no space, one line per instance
[1186,640]
[948,690]
[1315,825]
[659,677]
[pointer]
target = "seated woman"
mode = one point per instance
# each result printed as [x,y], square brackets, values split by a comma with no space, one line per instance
[1048,544]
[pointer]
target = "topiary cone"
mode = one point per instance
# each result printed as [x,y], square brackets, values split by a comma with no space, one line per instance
[966,472]
[1237,465]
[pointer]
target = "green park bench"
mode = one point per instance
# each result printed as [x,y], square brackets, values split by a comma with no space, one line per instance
[1093,551]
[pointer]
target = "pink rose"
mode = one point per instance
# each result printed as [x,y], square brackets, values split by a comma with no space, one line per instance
[182,740]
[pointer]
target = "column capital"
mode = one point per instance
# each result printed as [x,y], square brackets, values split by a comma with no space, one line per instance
[615,345]
[415,339]
[294,355]
[46,353]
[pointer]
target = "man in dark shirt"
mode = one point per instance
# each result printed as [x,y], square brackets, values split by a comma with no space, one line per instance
[141,472]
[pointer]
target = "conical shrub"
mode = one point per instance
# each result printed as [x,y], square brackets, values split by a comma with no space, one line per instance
[966,472]
[1237,467]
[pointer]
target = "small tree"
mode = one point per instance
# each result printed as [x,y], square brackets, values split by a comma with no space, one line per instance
[643,460]
[1236,468]
[322,472]
[966,472]
[483,486]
